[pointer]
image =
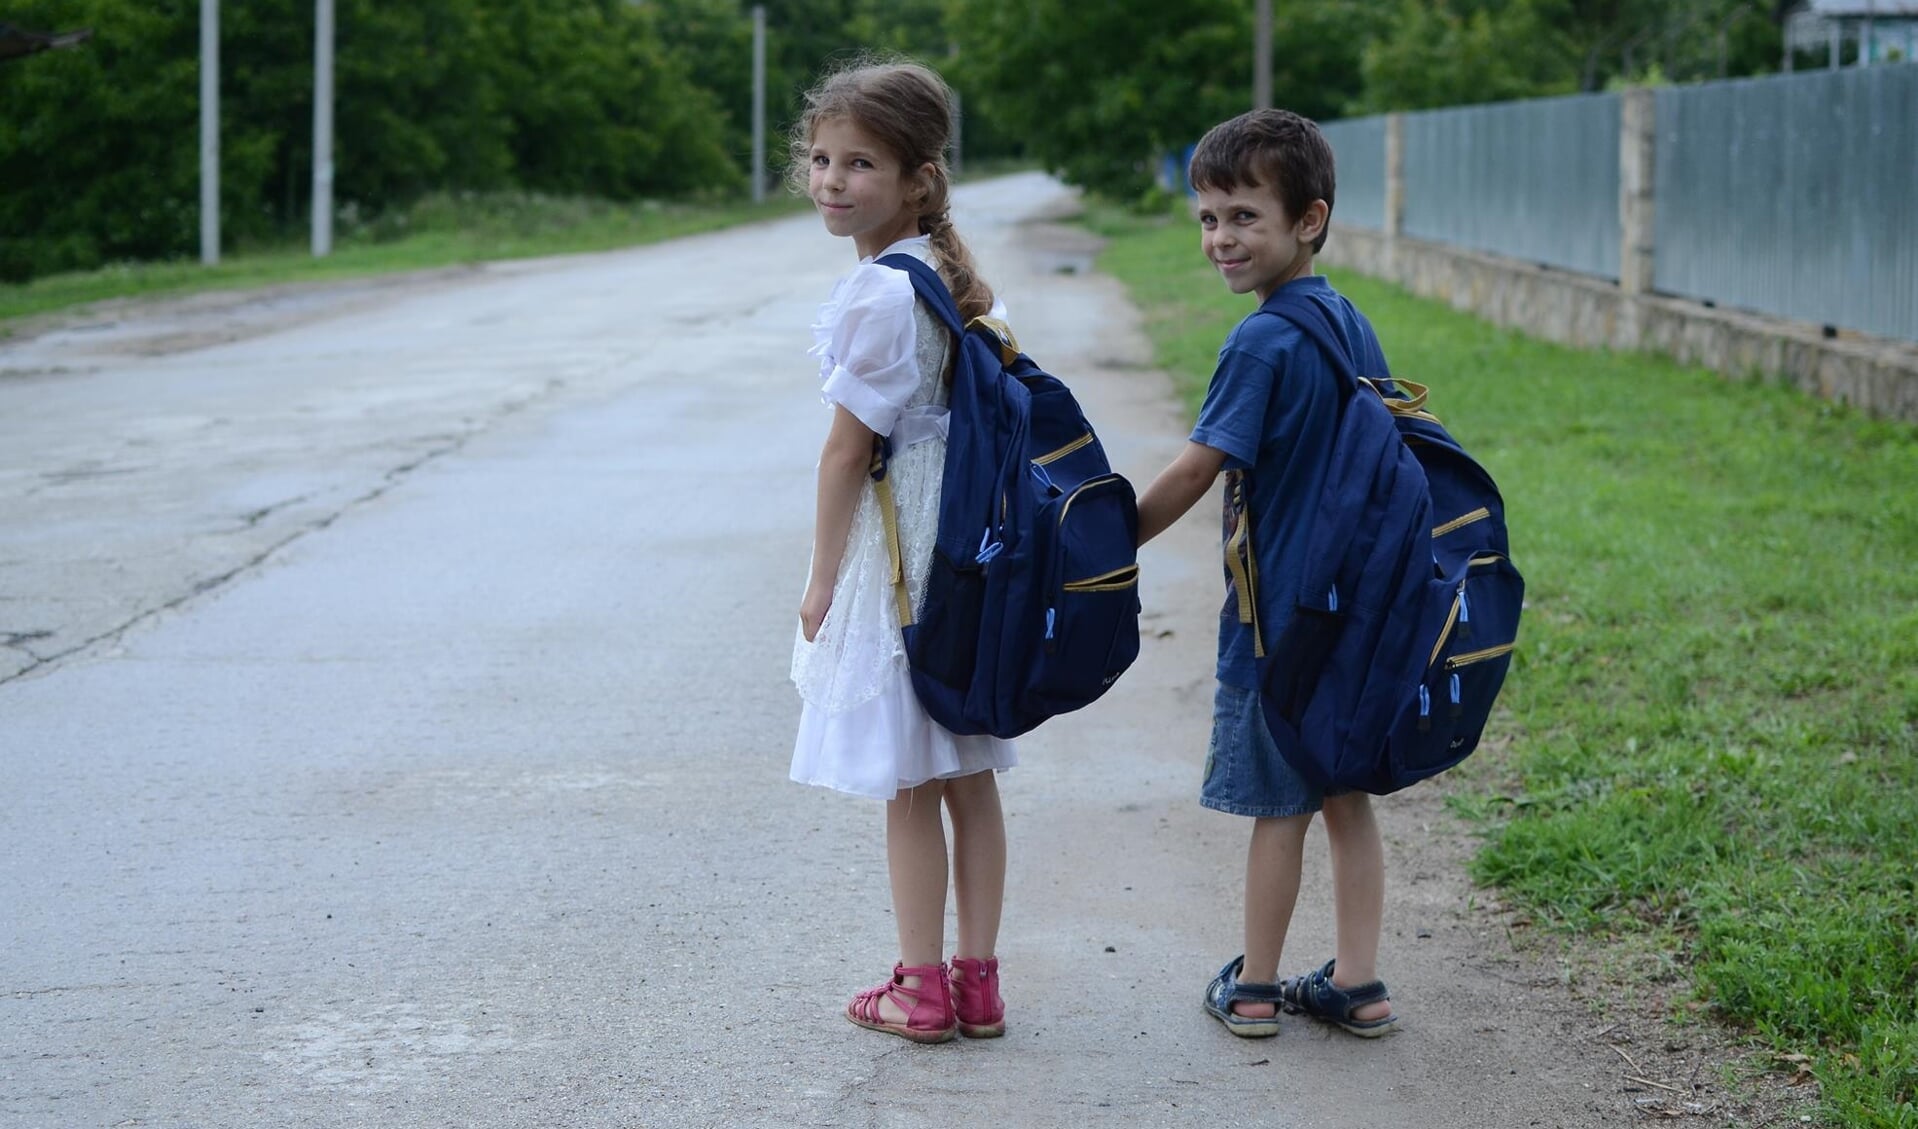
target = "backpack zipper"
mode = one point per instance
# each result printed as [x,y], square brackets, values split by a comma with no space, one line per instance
[1055,456]
[1460,521]
[1460,611]
[1470,657]
[1117,580]
[1102,480]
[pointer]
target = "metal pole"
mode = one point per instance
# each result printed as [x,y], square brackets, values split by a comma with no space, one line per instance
[958,135]
[322,128]
[209,131]
[1262,56]
[1869,36]
[759,102]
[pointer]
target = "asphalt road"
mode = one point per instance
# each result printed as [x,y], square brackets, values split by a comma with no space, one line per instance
[394,727]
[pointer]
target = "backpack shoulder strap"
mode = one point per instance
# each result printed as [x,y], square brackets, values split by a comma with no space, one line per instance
[930,288]
[1313,320]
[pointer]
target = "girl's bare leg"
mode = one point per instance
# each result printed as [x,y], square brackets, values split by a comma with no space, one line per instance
[978,861]
[916,860]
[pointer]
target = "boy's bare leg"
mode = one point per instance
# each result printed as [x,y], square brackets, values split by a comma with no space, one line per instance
[916,860]
[1358,893]
[978,861]
[1272,865]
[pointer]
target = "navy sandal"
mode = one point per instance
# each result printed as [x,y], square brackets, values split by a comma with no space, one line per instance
[1315,995]
[1225,990]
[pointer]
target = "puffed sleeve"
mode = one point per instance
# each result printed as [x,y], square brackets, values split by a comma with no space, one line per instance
[865,346]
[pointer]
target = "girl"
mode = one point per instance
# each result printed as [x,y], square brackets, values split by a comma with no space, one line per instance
[872,141]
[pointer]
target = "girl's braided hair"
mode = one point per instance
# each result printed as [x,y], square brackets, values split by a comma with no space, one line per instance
[907,108]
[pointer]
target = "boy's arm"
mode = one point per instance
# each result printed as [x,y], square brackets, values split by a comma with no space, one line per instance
[1178,486]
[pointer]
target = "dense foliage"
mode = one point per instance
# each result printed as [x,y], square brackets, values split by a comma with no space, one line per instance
[631,99]
[1094,90]
[99,146]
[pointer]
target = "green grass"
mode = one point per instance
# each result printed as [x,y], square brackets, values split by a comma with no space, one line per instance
[1713,714]
[440,230]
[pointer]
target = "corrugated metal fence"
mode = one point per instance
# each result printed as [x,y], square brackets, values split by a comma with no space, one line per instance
[1795,196]
[1529,180]
[1358,149]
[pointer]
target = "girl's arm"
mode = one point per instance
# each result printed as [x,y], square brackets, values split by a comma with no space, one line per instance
[1177,488]
[843,466]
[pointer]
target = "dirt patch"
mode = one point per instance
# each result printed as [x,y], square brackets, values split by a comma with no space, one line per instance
[168,324]
[1630,1006]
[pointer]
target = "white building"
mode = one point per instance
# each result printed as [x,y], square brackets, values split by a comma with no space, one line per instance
[1880,30]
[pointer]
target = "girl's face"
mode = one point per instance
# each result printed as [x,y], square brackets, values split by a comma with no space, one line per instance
[860,188]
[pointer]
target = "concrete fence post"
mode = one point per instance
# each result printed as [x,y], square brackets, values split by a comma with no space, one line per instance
[1394,189]
[1394,174]
[1637,181]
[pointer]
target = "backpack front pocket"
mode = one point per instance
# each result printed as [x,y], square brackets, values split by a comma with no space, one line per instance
[1467,668]
[1088,618]
[1091,634]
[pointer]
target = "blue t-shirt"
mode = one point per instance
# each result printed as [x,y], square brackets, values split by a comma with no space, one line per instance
[1273,408]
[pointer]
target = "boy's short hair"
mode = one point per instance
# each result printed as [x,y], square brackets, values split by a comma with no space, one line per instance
[1276,149]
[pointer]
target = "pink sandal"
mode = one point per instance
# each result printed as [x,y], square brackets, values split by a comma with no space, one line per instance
[928,1007]
[975,997]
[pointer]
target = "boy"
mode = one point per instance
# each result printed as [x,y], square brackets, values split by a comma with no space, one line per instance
[1265,187]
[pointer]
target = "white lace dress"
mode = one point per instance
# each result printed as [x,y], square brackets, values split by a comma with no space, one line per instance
[883,356]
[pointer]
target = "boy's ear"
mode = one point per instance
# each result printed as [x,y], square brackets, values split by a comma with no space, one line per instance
[1312,223]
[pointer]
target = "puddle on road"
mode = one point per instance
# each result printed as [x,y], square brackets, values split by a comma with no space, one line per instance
[1063,262]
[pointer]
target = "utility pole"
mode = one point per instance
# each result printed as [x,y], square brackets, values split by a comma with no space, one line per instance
[322,128]
[758,102]
[958,134]
[1262,56]
[209,131]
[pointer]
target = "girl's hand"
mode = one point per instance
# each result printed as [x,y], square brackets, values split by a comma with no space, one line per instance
[812,609]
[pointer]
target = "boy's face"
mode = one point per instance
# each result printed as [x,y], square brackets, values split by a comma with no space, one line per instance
[1254,244]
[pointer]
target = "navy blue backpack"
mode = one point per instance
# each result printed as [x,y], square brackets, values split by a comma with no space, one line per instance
[1032,605]
[1404,620]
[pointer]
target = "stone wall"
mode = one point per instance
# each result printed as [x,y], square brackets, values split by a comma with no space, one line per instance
[1874,374]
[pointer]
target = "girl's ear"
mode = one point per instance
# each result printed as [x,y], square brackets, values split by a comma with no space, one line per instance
[921,190]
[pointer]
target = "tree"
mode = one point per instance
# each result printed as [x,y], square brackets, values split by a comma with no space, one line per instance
[1318,51]
[99,152]
[96,144]
[599,106]
[1454,52]
[1445,54]
[1098,91]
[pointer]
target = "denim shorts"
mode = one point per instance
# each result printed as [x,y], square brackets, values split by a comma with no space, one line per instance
[1244,773]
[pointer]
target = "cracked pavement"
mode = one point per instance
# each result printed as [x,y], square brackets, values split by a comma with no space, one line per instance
[394,726]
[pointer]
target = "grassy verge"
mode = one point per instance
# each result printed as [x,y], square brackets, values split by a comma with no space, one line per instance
[1713,715]
[440,230]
